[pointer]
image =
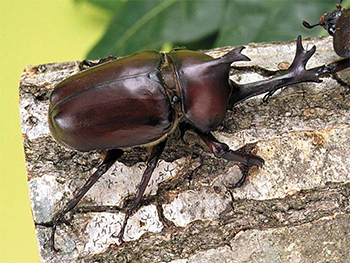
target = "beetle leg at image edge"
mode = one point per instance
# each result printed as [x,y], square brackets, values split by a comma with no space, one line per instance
[109,160]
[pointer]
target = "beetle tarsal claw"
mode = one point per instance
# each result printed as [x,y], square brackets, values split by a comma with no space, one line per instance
[245,170]
[119,237]
[253,160]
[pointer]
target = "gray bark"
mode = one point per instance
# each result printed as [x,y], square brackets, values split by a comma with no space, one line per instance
[295,209]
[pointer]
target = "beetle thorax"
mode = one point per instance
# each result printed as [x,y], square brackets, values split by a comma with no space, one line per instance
[204,87]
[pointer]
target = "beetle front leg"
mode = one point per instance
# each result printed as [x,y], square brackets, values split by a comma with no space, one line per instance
[221,150]
[153,157]
[110,158]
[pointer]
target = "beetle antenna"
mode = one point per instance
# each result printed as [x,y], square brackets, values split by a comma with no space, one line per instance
[339,7]
[307,25]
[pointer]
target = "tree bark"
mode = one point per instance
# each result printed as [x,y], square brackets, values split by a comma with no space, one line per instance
[295,209]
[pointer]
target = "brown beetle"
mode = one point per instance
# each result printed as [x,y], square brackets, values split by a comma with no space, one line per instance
[141,99]
[337,24]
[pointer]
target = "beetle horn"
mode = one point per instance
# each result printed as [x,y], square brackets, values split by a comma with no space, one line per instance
[233,55]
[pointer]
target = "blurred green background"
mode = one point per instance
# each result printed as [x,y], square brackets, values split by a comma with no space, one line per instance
[40,31]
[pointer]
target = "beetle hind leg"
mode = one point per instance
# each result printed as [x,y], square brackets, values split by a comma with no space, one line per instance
[221,150]
[110,158]
[153,157]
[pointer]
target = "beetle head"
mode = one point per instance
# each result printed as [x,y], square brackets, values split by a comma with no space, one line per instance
[328,20]
[337,24]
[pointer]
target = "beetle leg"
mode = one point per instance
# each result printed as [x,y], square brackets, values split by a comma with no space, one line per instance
[222,150]
[85,64]
[296,73]
[153,156]
[110,158]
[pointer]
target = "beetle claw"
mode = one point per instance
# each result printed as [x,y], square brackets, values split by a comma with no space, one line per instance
[245,170]
[120,237]
[52,240]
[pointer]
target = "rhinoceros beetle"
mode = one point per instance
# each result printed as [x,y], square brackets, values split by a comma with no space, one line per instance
[139,100]
[337,24]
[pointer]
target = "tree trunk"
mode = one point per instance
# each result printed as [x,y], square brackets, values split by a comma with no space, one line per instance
[295,209]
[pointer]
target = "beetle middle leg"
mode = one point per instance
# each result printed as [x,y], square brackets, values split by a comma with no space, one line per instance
[221,150]
[153,157]
[110,158]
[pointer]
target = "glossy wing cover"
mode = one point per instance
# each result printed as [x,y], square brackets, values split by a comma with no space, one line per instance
[117,104]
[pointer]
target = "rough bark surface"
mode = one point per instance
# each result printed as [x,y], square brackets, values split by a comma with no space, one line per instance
[295,209]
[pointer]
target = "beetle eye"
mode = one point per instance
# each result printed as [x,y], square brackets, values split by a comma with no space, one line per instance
[175,99]
[331,30]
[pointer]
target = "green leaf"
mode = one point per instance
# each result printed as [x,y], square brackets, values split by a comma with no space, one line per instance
[105,4]
[269,20]
[136,26]
[203,24]
[191,20]
[140,25]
